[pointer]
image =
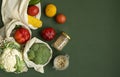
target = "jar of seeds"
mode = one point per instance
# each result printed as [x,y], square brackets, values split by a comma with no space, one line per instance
[61,41]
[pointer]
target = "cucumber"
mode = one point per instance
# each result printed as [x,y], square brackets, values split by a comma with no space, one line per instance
[33,2]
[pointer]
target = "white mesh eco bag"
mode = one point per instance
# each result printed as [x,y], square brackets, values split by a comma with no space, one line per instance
[31,64]
[17,9]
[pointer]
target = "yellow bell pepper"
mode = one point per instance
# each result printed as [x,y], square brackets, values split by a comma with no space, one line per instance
[34,21]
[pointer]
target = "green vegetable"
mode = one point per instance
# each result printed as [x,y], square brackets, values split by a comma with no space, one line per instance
[19,64]
[1,66]
[31,55]
[33,2]
[17,27]
[8,51]
[39,53]
[9,44]
[1,50]
[12,45]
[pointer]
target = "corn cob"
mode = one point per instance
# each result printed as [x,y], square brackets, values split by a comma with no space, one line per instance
[34,21]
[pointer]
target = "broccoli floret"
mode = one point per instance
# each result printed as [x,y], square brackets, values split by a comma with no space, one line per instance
[39,53]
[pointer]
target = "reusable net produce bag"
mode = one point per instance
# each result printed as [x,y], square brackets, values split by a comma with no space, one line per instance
[31,64]
[17,9]
[12,25]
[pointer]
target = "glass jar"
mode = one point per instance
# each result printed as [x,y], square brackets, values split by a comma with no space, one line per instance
[61,41]
[61,62]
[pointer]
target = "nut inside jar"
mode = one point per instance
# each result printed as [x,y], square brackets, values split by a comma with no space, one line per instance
[61,62]
[61,41]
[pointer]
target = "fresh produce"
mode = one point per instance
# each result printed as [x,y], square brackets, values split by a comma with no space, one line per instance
[20,64]
[39,53]
[34,22]
[36,53]
[50,10]
[61,18]
[11,58]
[48,34]
[33,2]
[33,10]
[22,35]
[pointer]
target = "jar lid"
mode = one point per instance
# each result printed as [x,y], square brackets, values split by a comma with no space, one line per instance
[65,34]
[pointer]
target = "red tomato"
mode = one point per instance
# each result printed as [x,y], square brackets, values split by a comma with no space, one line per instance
[22,35]
[33,10]
[61,18]
[48,34]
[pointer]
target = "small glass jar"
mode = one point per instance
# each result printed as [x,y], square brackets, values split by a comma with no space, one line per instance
[61,41]
[61,62]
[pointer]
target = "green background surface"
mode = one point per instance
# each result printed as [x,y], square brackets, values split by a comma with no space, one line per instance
[94,48]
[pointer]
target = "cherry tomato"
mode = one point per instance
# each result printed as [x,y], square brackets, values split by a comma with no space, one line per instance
[33,10]
[61,18]
[48,34]
[22,35]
